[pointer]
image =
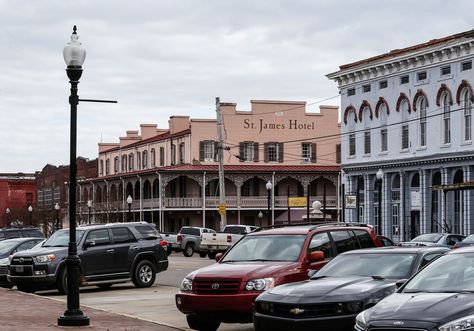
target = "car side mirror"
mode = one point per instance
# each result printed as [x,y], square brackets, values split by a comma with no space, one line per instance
[316,256]
[400,282]
[90,243]
[218,257]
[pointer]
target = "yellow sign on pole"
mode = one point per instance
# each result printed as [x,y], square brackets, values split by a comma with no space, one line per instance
[297,202]
[222,209]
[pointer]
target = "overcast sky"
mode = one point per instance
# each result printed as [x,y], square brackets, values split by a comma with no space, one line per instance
[159,58]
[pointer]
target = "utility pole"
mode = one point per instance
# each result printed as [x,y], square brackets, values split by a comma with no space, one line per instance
[220,156]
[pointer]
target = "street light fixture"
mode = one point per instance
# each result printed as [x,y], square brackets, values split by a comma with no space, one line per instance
[74,56]
[89,206]
[56,207]
[30,210]
[260,216]
[269,191]
[379,176]
[7,211]
[129,201]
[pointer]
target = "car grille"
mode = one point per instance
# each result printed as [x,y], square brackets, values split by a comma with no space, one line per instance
[216,286]
[395,329]
[309,311]
[3,269]
[22,261]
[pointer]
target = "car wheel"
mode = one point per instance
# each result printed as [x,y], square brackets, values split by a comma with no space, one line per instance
[212,256]
[26,288]
[188,250]
[144,274]
[202,254]
[197,322]
[61,282]
[104,286]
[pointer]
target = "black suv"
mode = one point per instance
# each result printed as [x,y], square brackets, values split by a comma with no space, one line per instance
[109,253]
[26,232]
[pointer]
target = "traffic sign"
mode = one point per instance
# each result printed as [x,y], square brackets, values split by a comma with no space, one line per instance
[222,209]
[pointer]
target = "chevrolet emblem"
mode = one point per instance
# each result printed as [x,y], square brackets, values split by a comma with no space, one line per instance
[296,311]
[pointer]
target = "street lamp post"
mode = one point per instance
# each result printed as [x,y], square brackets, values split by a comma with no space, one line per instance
[379,176]
[260,216]
[269,202]
[30,210]
[129,201]
[89,206]
[7,211]
[56,207]
[74,56]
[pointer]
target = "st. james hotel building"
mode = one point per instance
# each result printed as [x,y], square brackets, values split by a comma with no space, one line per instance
[171,174]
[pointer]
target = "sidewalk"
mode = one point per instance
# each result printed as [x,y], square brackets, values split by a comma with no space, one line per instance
[23,311]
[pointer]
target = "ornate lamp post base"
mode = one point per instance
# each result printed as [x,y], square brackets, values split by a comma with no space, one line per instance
[73,318]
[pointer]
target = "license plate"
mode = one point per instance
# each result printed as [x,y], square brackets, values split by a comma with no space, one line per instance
[19,268]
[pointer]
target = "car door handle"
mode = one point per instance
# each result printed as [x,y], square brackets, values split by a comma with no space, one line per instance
[110,250]
[135,247]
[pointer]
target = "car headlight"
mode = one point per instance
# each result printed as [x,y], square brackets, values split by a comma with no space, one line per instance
[186,285]
[361,321]
[260,284]
[45,258]
[5,261]
[461,324]
[376,297]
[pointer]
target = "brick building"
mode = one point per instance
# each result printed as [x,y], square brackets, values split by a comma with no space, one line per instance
[17,193]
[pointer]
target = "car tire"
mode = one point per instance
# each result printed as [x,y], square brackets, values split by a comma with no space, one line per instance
[144,274]
[188,250]
[202,254]
[104,286]
[61,281]
[197,322]
[212,256]
[26,288]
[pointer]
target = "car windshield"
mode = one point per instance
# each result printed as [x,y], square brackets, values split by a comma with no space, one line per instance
[61,238]
[449,273]
[266,248]
[429,237]
[391,266]
[6,246]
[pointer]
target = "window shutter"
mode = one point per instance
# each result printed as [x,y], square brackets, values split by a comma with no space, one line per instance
[201,151]
[265,152]
[216,152]
[241,151]
[255,152]
[280,152]
[313,153]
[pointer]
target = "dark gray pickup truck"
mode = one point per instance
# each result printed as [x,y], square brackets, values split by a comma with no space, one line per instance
[109,253]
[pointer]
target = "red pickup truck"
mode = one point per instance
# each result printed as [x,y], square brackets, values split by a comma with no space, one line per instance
[226,291]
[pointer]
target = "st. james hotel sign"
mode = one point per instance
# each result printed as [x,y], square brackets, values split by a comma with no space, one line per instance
[290,124]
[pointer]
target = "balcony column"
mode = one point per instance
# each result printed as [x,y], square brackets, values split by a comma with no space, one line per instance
[203,190]
[238,184]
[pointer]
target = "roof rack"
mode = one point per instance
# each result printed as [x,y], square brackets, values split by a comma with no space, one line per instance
[315,225]
[19,227]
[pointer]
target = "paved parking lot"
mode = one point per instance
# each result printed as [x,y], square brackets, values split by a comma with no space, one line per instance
[154,304]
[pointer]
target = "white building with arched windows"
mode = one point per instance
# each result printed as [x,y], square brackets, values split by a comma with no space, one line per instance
[408,112]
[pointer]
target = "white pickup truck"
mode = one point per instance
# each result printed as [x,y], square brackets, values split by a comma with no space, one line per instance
[213,243]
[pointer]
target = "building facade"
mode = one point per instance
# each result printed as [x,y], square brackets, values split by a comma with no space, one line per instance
[17,194]
[171,174]
[409,113]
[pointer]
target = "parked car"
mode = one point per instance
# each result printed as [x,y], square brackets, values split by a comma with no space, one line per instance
[23,232]
[189,239]
[109,253]
[351,282]
[386,241]
[213,243]
[9,247]
[225,291]
[438,239]
[438,298]
[468,241]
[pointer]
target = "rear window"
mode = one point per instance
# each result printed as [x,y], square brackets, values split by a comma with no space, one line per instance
[364,238]
[191,231]
[235,230]
[32,233]
[122,235]
[148,231]
[12,234]
[343,241]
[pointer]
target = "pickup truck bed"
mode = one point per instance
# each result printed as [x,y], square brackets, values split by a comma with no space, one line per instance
[213,243]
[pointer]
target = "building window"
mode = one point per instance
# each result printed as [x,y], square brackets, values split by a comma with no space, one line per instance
[181,153]
[467,106]
[162,156]
[351,91]
[101,167]
[130,161]
[352,144]
[383,139]
[404,79]
[139,160]
[395,219]
[145,159]
[272,152]
[446,70]
[124,163]
[173,154]
[446,119]
[367,141]
[116,164]
[308,152]
[404,107]
[422,107]
[466,65]
[405,140]
[207,150]
[366,88]
[383,84]
[421,75]
[107,166]
[248,151]
[153,158]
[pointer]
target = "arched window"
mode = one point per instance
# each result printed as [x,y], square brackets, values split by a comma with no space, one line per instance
[139,160]
[422,123]
[467,106]
[383,127]
[145,159]
[405,110]
[130,161]
[124,163]
[446,109]
[367,115]
[352,136]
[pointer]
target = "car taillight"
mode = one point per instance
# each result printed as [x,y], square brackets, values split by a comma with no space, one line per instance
[229,239]
[178,238]
[163,243]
